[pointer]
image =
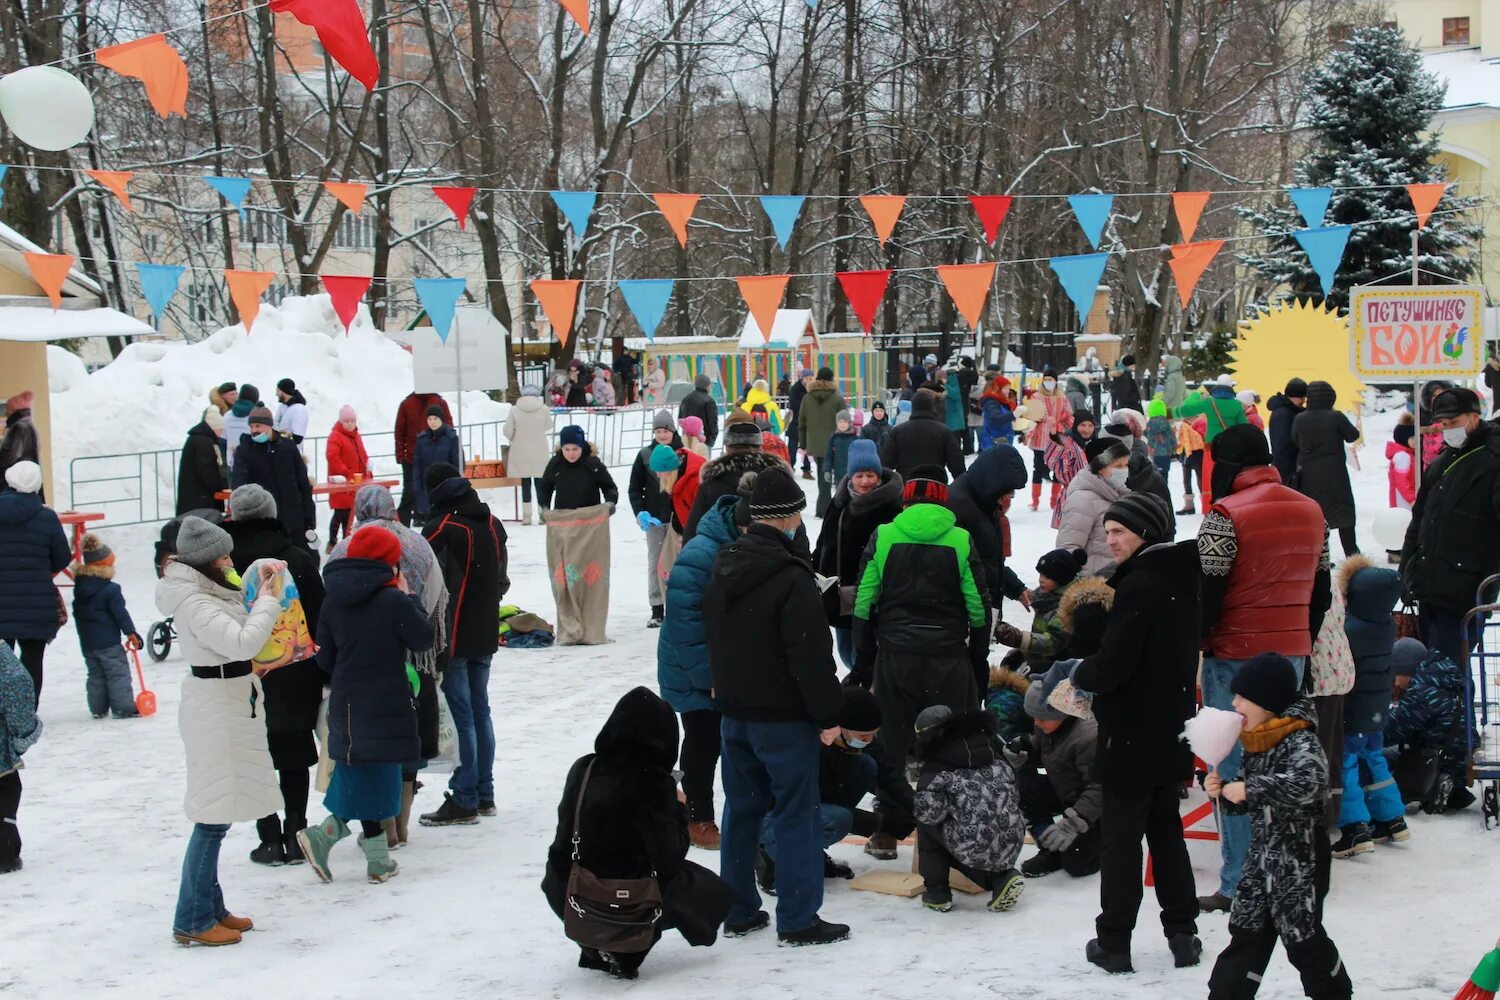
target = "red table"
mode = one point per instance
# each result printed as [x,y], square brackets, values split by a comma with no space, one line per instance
[79,522]
[328,489]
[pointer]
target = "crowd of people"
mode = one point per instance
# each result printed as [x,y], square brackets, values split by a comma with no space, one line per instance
[971,731]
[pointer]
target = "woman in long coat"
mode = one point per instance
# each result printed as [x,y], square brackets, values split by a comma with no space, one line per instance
[528,428]
[1320,433]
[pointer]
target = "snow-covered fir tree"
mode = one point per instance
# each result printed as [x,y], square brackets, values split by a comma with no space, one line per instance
[1370,113]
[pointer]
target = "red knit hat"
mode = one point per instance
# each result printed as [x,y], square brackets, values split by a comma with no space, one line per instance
[374,542]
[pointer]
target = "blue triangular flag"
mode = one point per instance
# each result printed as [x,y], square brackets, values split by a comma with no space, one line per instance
[1324,247]
[1080,278]
[3,171]
[1092,212]
[439,298]
[648,302]
[1312,203]
[576,206]
[233,189]
[782,210]
[159,284]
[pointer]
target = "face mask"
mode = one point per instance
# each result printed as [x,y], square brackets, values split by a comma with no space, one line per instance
[790,534]
[1049,384]
[1118,477]
[233,577]
[260,438]
[856,744]
[1454,437]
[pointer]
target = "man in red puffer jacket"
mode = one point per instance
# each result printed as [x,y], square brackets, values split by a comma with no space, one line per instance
[411,420]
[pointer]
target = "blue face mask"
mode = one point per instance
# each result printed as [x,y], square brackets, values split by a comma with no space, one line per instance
[856,744]
[260,438]
[790,535]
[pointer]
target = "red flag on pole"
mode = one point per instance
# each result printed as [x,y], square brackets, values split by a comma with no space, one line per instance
[458,199]
[992,210]
[345,291]
[865,290]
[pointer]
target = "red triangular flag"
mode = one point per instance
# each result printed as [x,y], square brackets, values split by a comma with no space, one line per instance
[245,290]
[559,299]
[1189,261]
[458,200]
[341,29]
[762,293]
[115,180]
[345,291]
[992,210]
[968,284]
[1424,198]
[351,195]
[1189,207]
[678,209]
[580,11]
[865,290]
[50,271]
[156,64]
[884,210]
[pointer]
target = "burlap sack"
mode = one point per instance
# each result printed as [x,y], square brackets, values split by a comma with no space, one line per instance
[578,560]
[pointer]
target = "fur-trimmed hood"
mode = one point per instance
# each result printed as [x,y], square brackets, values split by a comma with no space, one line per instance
[95,570]
[1346,570]
[1370,591]
[1084,590]
[735,466]
[1002,677]
[818,385]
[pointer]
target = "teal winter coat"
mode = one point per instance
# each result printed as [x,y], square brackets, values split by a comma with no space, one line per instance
[682,669]
[957,413]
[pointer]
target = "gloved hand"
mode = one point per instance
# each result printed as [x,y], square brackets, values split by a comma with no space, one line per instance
[828,478]
[1008,635]
[645,520]
[311,536]
[611,509]
[1015,753]
[133,641]
[1061,834]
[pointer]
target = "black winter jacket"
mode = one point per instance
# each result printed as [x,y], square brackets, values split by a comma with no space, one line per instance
[721,477]
[876,430]
[1453,541]
[974,499]
[293,692]
[569,485]
[1143,478]
[701,405]
[849,525]
[33,549]
[1284,413]
[1320,433]
[1144,676]
[277,465]
[201,473]
[768,639]
[1124,393]
[1370,594]
[469,543]
[368,625]
[1067,755]
[923,440]
[645,489]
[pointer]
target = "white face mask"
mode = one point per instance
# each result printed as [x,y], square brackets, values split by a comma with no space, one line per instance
[1118,477]
[1454,437]
[1049,384]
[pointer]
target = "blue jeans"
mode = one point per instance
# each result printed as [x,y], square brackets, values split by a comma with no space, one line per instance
[843,638]
[1377,798]
[836,818]
[1234,831]
[770,771]
[466,686]
[200,903]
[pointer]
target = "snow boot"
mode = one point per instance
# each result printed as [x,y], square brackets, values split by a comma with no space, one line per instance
[234,923]
[1187,950]
[1355,840]
[881,846]
[1187,505]
[821,932]
[272,851]
[1215,903]
[835,869]
[1042,864]
[526,513]
[1109,961]
[392,838]
[317,842]
[213,937]
[657,613]
[378,864]
[1391,831]
[1008,888]
[1036,494]
[450,813]
[704,834]
[487,807]
[760,921]
[765,872]
[403,818]
[294,855]
[938,900]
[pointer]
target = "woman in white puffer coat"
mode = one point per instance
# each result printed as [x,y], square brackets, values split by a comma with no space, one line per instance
[229,773]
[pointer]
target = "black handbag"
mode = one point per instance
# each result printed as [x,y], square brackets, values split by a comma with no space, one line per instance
[613,915]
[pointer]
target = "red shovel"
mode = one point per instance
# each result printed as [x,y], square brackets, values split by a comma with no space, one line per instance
[145,702]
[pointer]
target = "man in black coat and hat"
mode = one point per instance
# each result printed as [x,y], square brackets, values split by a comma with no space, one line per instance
[923,440]
[265,458]
[700,404]
[1284,408]
[202,471]
[975,498]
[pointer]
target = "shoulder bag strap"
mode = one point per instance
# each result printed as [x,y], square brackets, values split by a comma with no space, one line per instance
[578,805]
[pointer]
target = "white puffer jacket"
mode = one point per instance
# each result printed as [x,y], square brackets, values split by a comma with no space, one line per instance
[529,431]
[230,778]
[1082,524]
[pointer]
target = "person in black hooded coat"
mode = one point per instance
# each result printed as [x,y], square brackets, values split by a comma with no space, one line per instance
[924,439]
[1284,408]
[1320,434]
[975,498]
[277,465]
[848,526]
[201,473]
[631,825]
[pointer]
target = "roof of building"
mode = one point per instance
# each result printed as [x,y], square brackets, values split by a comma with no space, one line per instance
[786,332]
[22,319]
[1472,78]
[12,247]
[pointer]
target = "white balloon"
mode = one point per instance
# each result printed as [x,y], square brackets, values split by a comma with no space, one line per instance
[1390,528]
[46,107]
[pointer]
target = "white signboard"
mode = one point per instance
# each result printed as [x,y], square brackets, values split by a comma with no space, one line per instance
[1403,333]
[473,357]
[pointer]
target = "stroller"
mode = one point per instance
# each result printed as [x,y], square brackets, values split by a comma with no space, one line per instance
[161,635]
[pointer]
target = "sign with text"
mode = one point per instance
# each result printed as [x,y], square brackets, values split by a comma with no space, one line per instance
[1403,333]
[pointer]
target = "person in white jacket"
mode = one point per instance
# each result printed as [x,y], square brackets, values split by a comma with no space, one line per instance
[229,774]
[528,428]
[1089,496]
[291,414]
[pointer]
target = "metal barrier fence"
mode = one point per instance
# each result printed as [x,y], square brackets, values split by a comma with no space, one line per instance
[141,487]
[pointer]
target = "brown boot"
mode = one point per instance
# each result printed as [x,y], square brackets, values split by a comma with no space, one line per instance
[1187,505]
[403,819]
[704,834]
[215,936]
[1036,494]
[1056,491]
[234,923]
[392,841]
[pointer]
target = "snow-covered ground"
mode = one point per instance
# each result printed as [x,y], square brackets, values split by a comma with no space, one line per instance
[91,912]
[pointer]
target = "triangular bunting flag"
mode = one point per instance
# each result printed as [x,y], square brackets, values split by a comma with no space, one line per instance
[1092,212]
[245,290]
[782,210]
[1189,261]
[1189,208]
[159,284]
[865,290]
[458,200]
[344,292]
[50,271]
[233,190]
[559,299]
[992,210]
[580,11]
[156,64]
[439,298]
[352,196]
[647,300]
[1424,198]
[678,209]
[762,293]
[884,210]
[1312,203]
[115,180]
[341,29]
[1079,276]
[576,206]
[1324,247]
[967,285]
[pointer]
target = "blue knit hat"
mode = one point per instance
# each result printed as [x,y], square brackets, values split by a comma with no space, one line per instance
[572,434]
[663,459]
[863,457]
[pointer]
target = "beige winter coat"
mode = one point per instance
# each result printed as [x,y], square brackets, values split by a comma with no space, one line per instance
[229,774]
[529,431]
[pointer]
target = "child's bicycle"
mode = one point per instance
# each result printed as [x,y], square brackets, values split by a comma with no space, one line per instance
[159,639]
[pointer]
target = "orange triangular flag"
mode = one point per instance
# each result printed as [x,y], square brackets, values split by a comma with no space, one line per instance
[559,299]
[967,285]
[1189,206]
[50,271]
[580,11]
[762,293]
[884,210]
[1189,261]
[678,209]
[245,290]
[352,195]
[1424,198]
[115,180]
[156,64]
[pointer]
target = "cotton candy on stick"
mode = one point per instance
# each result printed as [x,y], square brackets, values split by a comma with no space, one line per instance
[1212,733]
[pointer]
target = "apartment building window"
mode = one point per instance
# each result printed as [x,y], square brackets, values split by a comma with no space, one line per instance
[202,301]
[277,292]
[1455,31]
[266,227]
[355,233]
[1338,34]
[426,230]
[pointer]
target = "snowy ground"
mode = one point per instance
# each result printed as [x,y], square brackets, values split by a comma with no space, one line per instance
[91,913]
